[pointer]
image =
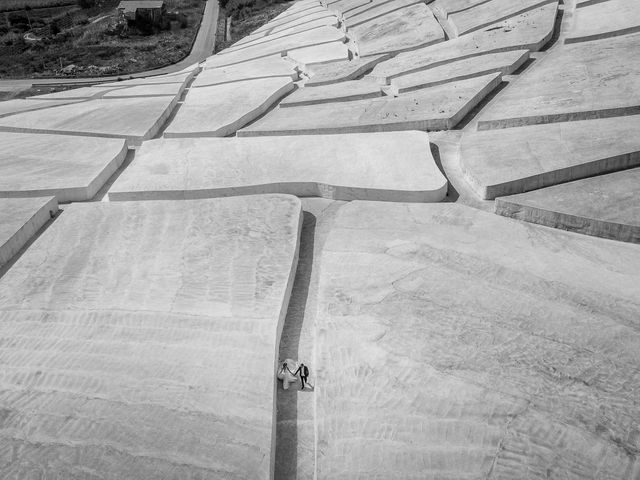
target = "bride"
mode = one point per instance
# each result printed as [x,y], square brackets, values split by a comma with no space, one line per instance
[286,375]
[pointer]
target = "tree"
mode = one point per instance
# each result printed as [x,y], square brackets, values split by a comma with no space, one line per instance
[54,27]
[87,3]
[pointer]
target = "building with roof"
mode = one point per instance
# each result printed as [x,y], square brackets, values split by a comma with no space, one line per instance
[142,11]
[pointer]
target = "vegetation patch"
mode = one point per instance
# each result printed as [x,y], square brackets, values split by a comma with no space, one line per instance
[10,5]
[91,38]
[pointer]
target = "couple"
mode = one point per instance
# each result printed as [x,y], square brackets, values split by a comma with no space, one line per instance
[287,376]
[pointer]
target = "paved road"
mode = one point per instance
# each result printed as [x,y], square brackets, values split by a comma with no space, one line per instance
[202,48]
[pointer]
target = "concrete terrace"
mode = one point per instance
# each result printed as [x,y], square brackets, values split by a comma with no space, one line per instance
[433,204]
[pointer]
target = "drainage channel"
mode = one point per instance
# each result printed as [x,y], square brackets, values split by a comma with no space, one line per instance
[295,418]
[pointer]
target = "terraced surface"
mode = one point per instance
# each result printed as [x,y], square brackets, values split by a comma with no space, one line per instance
[604,206]
[561,89]
[131,371]
[458,344]
[134,119]
[339,167]
[437,108]
[142,329]
[20,219]
[71,168]
[219,110]
[505,161]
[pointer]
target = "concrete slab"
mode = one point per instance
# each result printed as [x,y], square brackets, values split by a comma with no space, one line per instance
[453,343]
[530,31]
[341,167]
[562,88]
[135,119]
[327,53]
[340,71]
[266,29]
[70,168]
[82,93]
[303,20]
[586,3]
[437,108]
[280,46]
[151,90]
[343,6]
[12,107]
[116,90]
[299,7]
[452,6]
[404,29]
[603,20]
[268,67]
[159,79]
[605,206]
[220,110]
[292,19]
[369,12]
[131,368]
[488,13]
[507,161]
[20,220]
[325,20]
[373,4]
[503,62]
[336,92]
[307,22]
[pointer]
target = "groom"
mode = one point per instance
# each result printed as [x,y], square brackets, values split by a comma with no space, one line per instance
[304,374]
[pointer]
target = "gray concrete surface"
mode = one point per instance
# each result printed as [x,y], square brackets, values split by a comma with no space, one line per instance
[70,168]
[502,62]
[340,167]
[453,343]
[335,92]
[604,20]
[135,119]
[437,108]
[560,88]
[530,31]
[219,110]
[507,161]
[20,219]
[126,363]
[605,206]
[405,29]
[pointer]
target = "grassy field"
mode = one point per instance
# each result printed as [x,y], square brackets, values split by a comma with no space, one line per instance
[10,5]
[92,42]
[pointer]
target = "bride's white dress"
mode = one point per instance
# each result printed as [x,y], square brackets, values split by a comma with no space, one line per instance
[285,376]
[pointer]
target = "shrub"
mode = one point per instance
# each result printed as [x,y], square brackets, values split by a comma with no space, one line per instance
[13,38]
[22,27]
[17,19]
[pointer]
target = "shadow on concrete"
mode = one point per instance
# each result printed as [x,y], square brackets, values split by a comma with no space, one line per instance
[270,108]
[557,29]
[102,193]
[452,193]
[5,268]
[524,66]
[287,400]
[480,106]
